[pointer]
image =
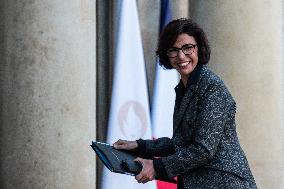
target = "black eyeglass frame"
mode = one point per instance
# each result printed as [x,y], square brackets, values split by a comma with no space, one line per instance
[182,49]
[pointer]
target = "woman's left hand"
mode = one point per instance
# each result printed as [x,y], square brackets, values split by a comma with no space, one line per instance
[147,173]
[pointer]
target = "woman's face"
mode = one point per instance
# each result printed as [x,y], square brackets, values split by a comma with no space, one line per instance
[183,63]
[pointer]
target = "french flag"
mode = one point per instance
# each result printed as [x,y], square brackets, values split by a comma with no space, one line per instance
[164,95]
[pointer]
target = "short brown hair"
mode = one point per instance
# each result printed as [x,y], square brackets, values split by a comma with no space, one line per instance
[172,31]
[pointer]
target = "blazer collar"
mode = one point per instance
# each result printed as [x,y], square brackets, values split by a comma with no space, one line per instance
[192,87]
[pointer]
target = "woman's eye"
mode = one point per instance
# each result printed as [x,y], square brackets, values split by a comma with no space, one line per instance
[188,47]
[172,50]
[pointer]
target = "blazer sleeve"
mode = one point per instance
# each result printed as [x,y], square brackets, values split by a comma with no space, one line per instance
[159,147]
[210,122]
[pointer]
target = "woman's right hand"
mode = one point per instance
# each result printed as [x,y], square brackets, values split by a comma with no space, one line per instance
[125,145]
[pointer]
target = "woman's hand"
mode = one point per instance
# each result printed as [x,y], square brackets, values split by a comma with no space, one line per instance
[147,173]
[125,145]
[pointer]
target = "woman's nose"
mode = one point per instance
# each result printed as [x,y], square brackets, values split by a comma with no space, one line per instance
[181,54]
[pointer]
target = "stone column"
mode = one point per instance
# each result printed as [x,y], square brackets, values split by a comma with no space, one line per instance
[180,8]
[48,92]
[247,52]
[149,18]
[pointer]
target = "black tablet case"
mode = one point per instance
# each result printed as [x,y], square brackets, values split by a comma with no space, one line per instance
[119,161]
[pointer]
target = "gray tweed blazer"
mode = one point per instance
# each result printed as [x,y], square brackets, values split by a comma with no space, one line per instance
[204,151]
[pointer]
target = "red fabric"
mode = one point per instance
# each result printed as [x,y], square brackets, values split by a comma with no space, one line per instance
[165,185]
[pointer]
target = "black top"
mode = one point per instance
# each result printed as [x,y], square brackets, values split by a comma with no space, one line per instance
[180,88]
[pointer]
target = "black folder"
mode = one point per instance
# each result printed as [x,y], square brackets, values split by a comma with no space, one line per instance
[119,161]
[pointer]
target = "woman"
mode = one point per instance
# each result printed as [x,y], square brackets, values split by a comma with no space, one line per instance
[204,151]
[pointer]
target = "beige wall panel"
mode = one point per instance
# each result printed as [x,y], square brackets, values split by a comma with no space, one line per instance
[48,92]
[247,52]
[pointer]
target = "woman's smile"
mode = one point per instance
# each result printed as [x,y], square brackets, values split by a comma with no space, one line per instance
[183,65]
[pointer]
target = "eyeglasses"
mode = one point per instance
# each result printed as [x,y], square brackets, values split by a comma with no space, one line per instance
[187,49]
